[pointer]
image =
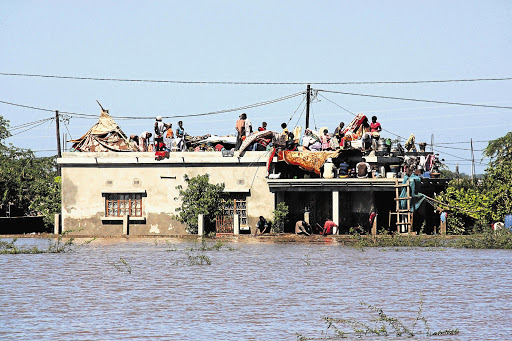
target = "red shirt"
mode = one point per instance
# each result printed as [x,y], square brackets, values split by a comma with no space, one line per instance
[375,127]
[329,224]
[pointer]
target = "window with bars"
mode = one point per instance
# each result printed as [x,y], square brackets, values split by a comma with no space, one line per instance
[121,204]
[237,203]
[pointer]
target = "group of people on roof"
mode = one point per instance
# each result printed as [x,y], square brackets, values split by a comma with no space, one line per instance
[359,129]
[164,137]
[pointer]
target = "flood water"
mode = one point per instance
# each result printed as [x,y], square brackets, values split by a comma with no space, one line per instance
[257,292]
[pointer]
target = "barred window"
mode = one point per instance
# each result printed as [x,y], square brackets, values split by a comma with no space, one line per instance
[121,204]
[237,203]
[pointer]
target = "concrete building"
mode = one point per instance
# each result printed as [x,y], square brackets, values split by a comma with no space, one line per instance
[100,188]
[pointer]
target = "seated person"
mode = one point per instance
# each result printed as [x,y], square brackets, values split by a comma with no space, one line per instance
[302,227]
[343,170]
[362,169]
[263,226]
[311,141]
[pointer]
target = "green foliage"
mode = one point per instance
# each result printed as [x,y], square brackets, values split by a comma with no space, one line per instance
[379,325]
[27,182]
[482,201]
[498,186]
[200,197]
[280,218]
[469,201]
[489,239]
[500,149]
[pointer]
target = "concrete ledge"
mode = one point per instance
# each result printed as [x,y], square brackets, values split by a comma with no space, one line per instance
[134,219]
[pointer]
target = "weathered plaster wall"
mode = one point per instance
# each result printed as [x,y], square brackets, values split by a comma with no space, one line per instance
[85,176]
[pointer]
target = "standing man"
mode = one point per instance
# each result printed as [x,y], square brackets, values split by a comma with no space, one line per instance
[160,128]
[248,126]
[339,135]
[375,126]
[240,129]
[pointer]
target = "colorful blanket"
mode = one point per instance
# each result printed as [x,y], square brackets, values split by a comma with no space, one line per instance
[310,161]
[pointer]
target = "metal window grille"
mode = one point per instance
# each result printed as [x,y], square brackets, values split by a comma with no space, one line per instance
[121,204]
[237,204]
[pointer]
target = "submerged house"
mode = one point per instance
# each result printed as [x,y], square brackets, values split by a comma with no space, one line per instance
[101,188]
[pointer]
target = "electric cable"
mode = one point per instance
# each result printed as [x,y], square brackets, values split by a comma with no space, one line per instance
[32,127]
[259,104]
[251,83]
[415,99]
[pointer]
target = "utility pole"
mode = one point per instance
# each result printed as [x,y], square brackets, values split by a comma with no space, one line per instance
[432,143]
[57,128]
[472,162]
[308,98]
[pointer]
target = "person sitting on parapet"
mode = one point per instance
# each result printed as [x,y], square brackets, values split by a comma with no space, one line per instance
[302,227]
[263,226]
[363,169]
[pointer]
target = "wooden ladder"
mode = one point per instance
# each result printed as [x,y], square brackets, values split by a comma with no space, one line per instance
[404,217]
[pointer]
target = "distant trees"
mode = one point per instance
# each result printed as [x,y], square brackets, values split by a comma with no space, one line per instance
[28,183]
[481,202]
[199,197]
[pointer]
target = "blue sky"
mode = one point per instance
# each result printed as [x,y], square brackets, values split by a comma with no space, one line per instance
[262,41]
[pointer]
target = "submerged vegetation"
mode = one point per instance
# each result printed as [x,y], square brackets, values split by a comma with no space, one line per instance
[122,266]
[60,245]
[489,239]
[379,324]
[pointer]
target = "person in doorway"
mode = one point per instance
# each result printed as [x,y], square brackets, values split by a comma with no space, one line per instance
[263,226]
[302,227]
[263,127]
[240,130]
[329,227]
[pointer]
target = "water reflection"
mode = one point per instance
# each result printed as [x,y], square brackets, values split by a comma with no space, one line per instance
[259,292]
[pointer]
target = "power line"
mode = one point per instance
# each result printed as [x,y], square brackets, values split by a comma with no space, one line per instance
[32,127]
[416,99]
[443,143]
[251,83]
[259,104]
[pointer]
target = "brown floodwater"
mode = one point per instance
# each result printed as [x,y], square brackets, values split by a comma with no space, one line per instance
[256,292]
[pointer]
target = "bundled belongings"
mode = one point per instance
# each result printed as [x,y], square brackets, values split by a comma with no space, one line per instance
[105,136]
